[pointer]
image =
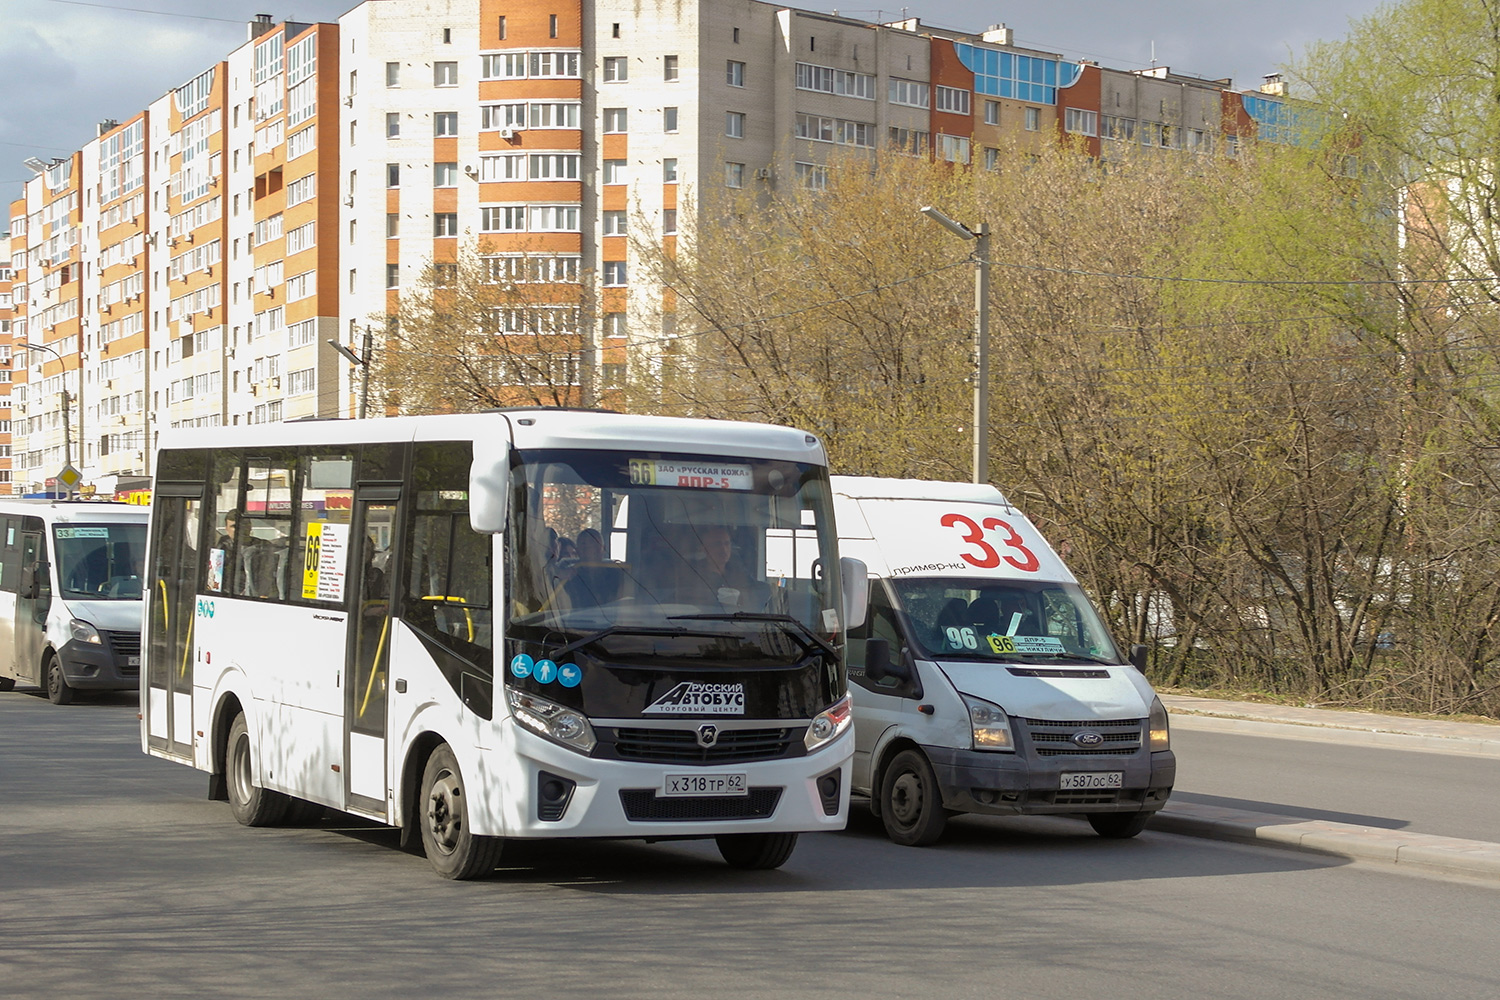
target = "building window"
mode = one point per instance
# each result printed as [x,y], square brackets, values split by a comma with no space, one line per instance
[734,72]
[614,119]
[669,119]
[614,272]
[669,68]
[616,69]
[445,224]
[392,175]
[668,221]
[554,218]
[734,175]
[953,100]
[503,219]
[445,124]
[392,124]
[502,27]
[910,93]
[392,225]
[445,175]
[614,223]
[1033,119]
[1080,122]
[812,176]
[734,124]
[991,158]
[669,170]
[552,27]
[445,74]
[393,74]
[614,324]
[614,171]
[992,112]
[953,148]
[393,275]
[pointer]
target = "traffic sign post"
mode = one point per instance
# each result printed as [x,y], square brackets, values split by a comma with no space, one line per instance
[69,478]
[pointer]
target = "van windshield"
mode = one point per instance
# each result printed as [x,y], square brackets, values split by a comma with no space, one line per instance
[100,562]
[1014,622]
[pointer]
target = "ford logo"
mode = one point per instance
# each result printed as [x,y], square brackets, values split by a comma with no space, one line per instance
[1087,738]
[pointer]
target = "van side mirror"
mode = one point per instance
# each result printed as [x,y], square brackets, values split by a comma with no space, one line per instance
[1137,657]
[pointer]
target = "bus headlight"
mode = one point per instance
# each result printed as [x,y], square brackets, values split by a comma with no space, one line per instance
[829,725]
[567,726]
[1156,723]
[990,724]
[84,632]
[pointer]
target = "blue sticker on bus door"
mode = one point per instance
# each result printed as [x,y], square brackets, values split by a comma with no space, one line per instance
[569,675]
[521,665]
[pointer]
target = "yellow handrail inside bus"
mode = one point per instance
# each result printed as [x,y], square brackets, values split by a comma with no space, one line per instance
[165,624]
[375,666]
[187,647]
[468,616]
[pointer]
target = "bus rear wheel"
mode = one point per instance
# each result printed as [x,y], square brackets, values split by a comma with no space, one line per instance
[756,851]
[452,848]
[59,691]
[251,804]
[7,683]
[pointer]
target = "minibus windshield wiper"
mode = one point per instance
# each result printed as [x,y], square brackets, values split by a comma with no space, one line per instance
[752,616]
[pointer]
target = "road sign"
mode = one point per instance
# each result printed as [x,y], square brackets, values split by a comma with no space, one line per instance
[69,478]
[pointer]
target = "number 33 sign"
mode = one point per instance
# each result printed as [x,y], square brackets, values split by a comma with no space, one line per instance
[1023,558]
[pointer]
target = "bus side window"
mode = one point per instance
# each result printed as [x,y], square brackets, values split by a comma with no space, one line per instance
[10,554]
[447,564]
[880,623]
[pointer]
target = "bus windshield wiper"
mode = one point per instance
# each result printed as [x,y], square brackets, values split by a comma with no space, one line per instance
[753,616]
[609,630]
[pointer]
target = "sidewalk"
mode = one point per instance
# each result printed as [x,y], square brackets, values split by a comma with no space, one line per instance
[1409,851]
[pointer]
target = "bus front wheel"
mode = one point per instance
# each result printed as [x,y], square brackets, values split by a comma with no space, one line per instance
[453,850]
[59,691]
[251,804]
[7,683]
[756,851]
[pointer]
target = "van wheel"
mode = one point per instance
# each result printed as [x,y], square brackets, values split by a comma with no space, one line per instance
[59,691]
[756,851]
[452,849]
[7,683]
[1118,826]
[911,806]
[251,804]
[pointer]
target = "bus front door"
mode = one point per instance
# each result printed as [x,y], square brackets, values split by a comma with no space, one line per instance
[32,606]
[372,570]
[172,606]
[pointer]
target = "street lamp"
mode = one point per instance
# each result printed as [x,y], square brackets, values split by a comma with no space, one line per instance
[981,238]
[363,363]
[67,401]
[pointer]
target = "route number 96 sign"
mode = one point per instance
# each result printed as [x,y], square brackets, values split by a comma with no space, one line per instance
[990,541]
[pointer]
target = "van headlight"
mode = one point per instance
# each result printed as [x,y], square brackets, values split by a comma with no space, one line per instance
[84,632]
[1156,724]
[558,723]
[828,725]
[990,724]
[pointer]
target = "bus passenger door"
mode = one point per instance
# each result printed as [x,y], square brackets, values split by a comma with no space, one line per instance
[33,604]
[171,607]
[372,570]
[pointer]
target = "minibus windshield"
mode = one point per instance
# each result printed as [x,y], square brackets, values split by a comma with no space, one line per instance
[606,541]
[100,562]
[1014,622]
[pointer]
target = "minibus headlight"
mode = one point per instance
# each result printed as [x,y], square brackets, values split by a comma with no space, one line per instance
[84,632]
[567,726]
[990,724]
[829,725]
[1161,736]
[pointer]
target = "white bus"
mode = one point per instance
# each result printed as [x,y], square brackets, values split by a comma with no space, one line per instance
[516,624]
[70,595]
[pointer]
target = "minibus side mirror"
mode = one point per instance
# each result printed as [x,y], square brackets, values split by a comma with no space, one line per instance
[1137,657]
[489,483]
[856,591]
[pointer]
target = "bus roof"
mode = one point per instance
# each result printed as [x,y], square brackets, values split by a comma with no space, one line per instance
[80,511]
[527,428]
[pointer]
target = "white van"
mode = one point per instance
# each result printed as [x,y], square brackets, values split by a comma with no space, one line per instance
[70,595]
[984,680]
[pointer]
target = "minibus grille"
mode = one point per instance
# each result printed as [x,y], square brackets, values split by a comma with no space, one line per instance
[643,805]
[680,746]
[125,644]
[1054,738]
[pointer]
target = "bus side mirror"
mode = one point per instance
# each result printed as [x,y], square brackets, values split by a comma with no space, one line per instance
[856,576]
[1137,657]
[489,484]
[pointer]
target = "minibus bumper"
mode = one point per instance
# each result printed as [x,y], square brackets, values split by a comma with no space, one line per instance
[90,666]
[1013,784]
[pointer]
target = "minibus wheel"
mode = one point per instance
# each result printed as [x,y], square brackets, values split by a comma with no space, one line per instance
[451,848]
[251,804]
[911,804]
[1118,826]
[756,851]
[59,691]
[7,683]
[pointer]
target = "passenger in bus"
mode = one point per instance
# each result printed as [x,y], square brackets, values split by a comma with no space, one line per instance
[262,566]
[714,576]
[591,581]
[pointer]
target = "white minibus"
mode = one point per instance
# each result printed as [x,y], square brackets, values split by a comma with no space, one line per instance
[518,624]
[70,595]
[984,679]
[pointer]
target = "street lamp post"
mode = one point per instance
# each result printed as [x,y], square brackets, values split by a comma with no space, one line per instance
[66,406]
[981,238]
[363,364]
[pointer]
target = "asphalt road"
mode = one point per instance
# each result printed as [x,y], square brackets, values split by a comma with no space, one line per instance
[1446,794]
[119,879]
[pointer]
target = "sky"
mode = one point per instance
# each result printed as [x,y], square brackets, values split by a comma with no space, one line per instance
[67,64]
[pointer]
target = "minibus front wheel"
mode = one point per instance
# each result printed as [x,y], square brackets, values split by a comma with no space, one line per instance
[911,803]
[59,691]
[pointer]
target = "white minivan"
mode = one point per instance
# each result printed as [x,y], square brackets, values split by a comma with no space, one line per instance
[984,680]
[70,595]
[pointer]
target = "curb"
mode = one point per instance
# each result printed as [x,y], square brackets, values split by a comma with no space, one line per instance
[1411,851]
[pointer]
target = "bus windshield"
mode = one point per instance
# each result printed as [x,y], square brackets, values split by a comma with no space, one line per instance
[100,562]
[1014,622]
[615,540]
